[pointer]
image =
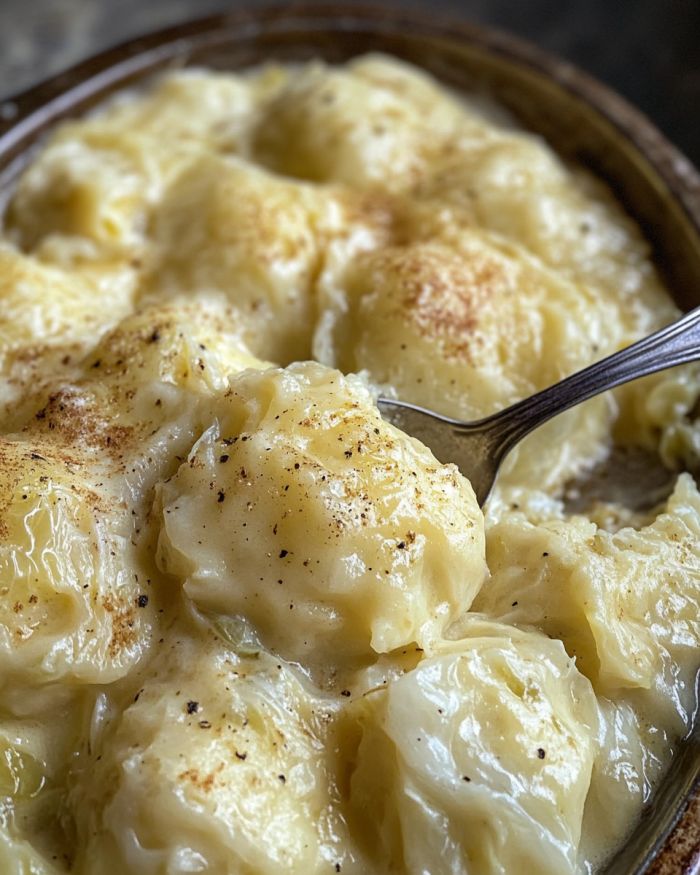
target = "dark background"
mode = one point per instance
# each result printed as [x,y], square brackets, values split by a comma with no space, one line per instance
[648,50]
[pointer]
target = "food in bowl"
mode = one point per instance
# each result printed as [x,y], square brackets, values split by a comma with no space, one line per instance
[247,625]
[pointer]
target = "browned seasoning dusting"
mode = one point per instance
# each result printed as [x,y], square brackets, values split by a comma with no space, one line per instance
[124,635]
[192,775]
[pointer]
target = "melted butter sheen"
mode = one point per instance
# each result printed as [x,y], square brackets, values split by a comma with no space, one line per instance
[248,627]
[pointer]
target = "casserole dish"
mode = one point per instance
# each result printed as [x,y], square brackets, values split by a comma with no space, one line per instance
[580,118]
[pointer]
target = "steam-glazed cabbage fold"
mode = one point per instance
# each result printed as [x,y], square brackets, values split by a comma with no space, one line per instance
[220,764]
[624,604]
[480,758]
[72,606]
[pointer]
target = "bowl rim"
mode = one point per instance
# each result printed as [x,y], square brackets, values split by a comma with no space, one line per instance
[130,57]
[31,111]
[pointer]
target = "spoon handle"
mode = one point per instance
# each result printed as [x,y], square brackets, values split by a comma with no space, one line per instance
[676,344]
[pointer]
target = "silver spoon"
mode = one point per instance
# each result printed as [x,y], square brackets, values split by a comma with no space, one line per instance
[478,448]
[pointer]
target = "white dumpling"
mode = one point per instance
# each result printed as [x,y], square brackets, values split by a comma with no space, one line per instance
[218,765]
[335,534]
[135,404]
[98,178]
[517,187]
[625,605]
[374,123]
[467,325]
[43,305]
[72,605]
[478,761]
[626,770]
[258,241]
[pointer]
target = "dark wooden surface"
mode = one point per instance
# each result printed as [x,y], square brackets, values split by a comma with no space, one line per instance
[648,50]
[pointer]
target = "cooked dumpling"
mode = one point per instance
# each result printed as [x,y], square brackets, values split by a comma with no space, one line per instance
[43,306]
[218,765]
[335,534]
[467,326]
[72,604]
[626,605]
[373,123]
[50,315]
[98,178]
[626,769]
[478,761]
[516,187]
[136,403]
[258,242]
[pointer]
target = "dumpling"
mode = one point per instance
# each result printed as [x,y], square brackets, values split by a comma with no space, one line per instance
[98,178]
[375,122]
[136,403]
[219,764]
[632,756]
[467,326]
[50,315]
[258,242]
[72,604]
[626,605]
[335,534]
[478,761]
[43,306]
[515,186]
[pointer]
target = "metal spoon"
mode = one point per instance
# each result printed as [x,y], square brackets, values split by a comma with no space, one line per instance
[478,448]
